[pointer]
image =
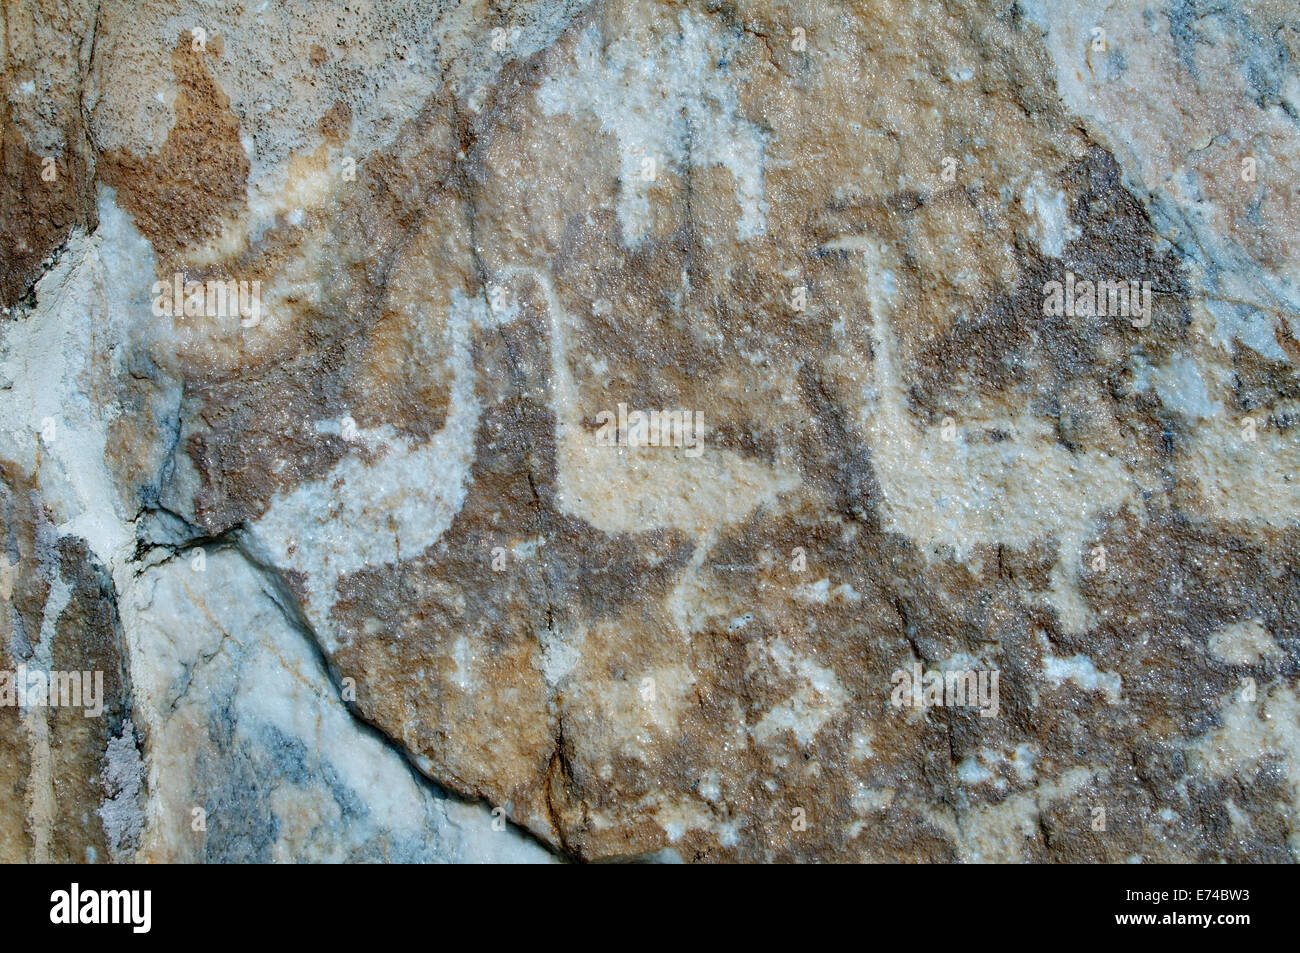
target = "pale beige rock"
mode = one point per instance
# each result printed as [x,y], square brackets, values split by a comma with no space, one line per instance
[825,232]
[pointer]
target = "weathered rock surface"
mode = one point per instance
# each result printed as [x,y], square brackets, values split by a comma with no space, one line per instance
[363,576]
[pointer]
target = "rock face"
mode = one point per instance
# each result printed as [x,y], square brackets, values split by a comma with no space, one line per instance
[966,525]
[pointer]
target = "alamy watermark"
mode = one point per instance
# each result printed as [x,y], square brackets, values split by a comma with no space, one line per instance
[652,428]
[130,907]
[1086,299]
[955,688]
[213,298]
[32,688]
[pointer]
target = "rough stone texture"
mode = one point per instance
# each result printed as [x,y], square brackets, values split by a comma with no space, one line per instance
[365,582]
[46,157]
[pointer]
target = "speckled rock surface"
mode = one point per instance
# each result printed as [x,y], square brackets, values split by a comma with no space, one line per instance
[966,526]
